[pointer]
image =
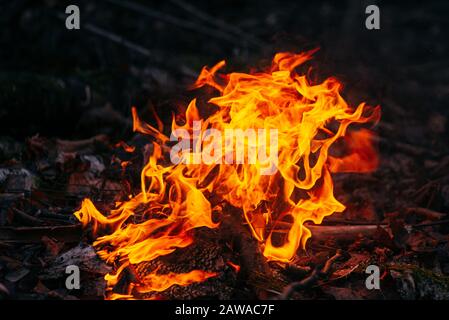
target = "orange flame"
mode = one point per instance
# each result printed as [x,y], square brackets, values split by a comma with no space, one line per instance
[234,266]
[309,118]
[125,146]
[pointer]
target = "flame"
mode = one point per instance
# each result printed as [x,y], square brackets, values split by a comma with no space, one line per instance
[125,146]
[154,282]
[309,119]
[234,266]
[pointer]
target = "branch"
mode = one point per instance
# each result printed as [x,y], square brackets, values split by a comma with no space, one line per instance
[185,24]
[317,274]
[217,22]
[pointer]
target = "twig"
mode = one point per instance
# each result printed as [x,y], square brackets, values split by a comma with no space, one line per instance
[62,218]
[108,35]
[112,37]
[118,39]
[76,145]
[340,232]
[26,218]
[350,232]
[430,224]
[186,24]
[344,232]
[317,273]
[217,22]
[427,213]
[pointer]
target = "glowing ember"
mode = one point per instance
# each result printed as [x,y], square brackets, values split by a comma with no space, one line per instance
[308,118]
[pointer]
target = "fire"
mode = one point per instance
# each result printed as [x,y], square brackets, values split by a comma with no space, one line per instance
[309,119]
[234,266]
[125,146]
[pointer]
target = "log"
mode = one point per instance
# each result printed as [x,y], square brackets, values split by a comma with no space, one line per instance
[344,232]
[77,145]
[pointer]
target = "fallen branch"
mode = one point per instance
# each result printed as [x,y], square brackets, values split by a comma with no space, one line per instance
[351,232]
[113,37]
[340,232]
[344,232]
[217,22]
[318,273]
[61,218]
[26,218]
[157,57]
[77,145]
[430,224]
[427,213]
[186,24]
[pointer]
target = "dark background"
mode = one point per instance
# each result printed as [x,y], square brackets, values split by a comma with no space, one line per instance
[46,69]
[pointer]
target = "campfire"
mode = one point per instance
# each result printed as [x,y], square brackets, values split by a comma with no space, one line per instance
[199,175]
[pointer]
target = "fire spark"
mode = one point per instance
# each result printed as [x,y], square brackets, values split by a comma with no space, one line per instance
[309,119]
